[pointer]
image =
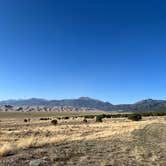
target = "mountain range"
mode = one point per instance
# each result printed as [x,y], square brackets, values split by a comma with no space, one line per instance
[141,106]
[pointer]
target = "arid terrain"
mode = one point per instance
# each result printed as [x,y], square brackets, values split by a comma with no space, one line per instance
[9,108]
[113,142]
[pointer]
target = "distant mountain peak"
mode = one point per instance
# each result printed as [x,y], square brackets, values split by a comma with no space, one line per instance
[85,98]
[144,101]
[148,101]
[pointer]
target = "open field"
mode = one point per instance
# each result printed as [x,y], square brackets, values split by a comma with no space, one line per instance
[17,115]
[113,142]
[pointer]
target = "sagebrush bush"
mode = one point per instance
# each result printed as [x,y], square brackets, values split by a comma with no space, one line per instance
[108,116]
[65,117]
[54,122]
[89,116]
[99,118]
[44,118]
[158,113]
[85,120]
[135,117]
[25,120]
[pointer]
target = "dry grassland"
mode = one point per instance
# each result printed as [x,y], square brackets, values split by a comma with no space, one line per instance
[72,142]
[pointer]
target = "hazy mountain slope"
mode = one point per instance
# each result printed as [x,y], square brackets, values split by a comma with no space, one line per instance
[141,106]
[144,105]
[80,102]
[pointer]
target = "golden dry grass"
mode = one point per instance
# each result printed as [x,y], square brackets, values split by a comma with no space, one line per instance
[19,135]
[6,149]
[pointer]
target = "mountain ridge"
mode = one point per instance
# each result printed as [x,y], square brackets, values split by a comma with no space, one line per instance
[140,106]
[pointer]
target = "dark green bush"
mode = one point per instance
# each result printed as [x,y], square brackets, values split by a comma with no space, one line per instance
[89,116]
[99,118]
[25,120]
[66,117]
[107,116]
[54,122]
[85,120]
[135,117]
[44,118]
[158,113]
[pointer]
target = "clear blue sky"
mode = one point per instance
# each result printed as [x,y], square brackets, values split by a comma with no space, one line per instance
[113,50]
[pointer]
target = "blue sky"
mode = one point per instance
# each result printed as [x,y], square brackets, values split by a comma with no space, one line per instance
[106,49]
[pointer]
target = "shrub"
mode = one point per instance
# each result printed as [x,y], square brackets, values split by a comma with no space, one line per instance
[85,120]
[99,118]
[158,113]
[135,117]
[25,120]
[89,116]
[108,116]
[44,118]
[124,115]
[66,117]
[54,122]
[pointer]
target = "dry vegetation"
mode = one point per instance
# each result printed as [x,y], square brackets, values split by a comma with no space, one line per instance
[72,142]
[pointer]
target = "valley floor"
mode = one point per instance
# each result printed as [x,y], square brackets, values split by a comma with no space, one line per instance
[114,142]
